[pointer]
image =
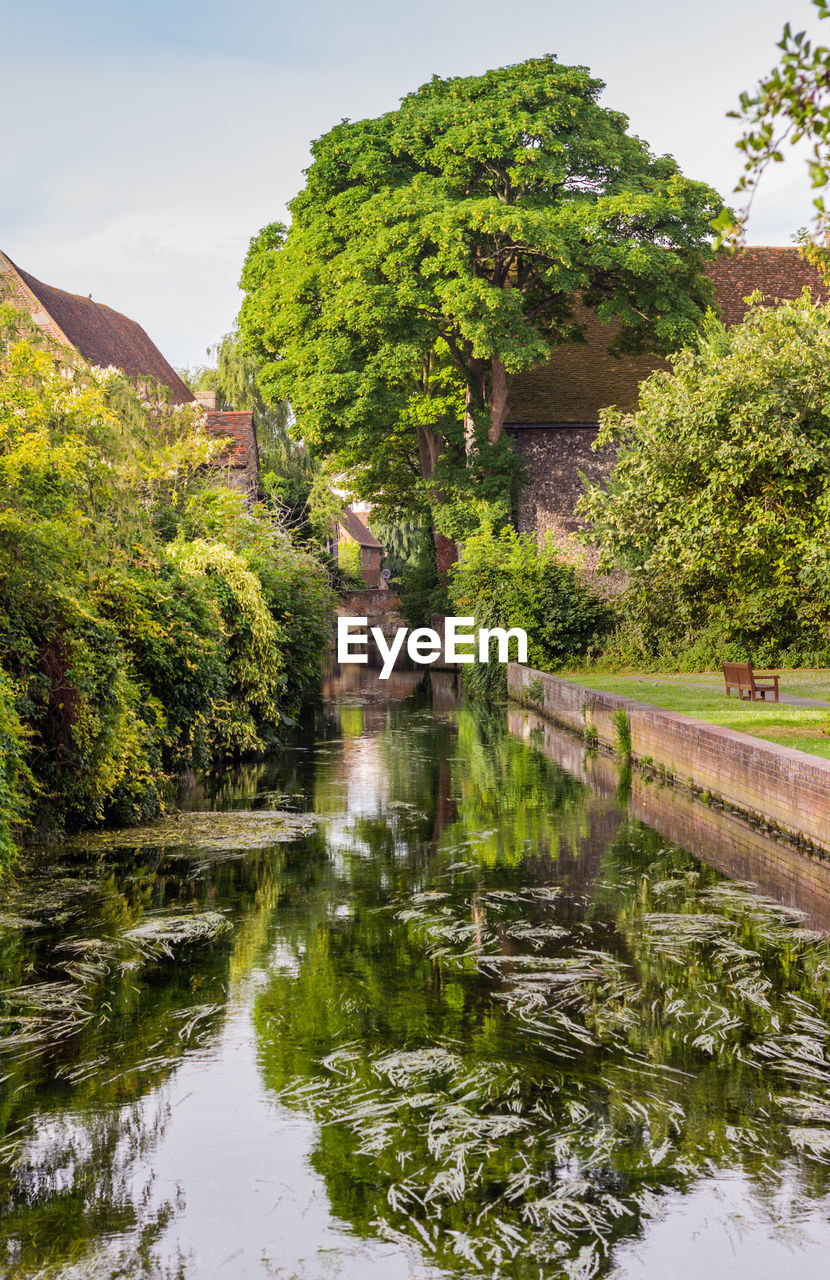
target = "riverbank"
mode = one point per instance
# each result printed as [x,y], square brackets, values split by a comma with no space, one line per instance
[800,720]
[773,784]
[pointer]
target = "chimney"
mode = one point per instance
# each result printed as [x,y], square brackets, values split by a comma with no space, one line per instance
[207,399]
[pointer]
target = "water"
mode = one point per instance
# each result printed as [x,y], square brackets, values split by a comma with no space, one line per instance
[463,1013]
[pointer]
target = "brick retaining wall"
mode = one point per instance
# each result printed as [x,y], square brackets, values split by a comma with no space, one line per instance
[725,840]
[777,785]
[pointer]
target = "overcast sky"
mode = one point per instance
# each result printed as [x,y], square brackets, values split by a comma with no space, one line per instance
[143,144]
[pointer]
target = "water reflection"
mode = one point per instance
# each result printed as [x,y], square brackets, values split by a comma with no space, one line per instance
[473,1019]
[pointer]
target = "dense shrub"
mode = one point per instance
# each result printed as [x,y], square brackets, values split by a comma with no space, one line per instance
[296,587]
[15,779]
[255,643]
[171,630]
[507,580]
[295,583]
[131,657]
[718,508]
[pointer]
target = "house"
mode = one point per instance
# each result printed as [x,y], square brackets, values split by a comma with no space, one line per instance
[553,410]
[105,338]
[355,540]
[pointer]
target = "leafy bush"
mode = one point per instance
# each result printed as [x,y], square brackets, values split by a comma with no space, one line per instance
[718,507]
[295,582]
[171,629]
[507,580]
[130,662]
[254,642]
[15,778]
[296,587]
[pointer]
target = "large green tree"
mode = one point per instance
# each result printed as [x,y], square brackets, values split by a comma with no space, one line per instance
[441,248]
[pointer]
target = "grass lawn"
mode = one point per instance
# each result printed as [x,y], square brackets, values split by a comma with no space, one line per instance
[701,694]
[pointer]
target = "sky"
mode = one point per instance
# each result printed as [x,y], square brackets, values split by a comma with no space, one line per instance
[144,144]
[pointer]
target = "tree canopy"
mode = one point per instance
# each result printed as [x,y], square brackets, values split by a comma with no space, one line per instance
[719,503]
[440,248]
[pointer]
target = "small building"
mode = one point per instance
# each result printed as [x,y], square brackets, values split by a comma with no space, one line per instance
[554,410]
[354,539]
[105,338]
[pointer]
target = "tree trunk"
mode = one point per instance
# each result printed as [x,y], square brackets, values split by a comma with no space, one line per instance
[446,555]
[498,399]
[430,448]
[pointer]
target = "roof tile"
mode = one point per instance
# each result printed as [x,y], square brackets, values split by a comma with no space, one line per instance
[580,380]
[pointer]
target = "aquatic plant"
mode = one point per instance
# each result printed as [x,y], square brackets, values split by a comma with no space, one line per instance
[593,1050]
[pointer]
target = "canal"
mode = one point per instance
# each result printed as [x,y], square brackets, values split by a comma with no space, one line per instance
[420,996]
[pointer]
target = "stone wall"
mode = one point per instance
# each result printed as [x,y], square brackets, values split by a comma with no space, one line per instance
[787,789]
[554,457]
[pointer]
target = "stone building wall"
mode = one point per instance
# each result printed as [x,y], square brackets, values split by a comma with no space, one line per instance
[555,457]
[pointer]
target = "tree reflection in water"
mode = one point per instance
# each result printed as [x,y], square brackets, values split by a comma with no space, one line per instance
[520,1019]
[532,1018]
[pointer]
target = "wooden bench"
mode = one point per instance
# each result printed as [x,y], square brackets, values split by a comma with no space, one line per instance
[740,676]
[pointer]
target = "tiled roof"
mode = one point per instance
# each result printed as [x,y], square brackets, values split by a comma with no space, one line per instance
[356,529]
[238,428]
[779,273]
[578,381]
[104,337]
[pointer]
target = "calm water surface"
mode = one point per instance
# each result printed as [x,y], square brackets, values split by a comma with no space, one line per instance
[459,1015]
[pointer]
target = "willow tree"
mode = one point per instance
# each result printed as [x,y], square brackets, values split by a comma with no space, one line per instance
[441,248]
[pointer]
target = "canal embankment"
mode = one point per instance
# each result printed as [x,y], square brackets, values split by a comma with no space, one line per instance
[785,789]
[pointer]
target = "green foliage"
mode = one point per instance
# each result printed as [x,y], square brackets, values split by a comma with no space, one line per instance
[15,778]
[348,559]
[409,554]
[253,639]
[622,735]
[130,664]
[171,632]
[439,248]
[405,542]
[790,105]
[719,503]
[535,691]
[507,580]
[296,484]
[294,582]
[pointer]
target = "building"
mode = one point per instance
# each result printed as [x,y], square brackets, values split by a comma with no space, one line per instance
[554,409]
[105,338]
[353,537]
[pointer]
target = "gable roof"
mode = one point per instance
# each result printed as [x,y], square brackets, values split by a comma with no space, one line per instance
[356,529]
[103,337]
[578,381]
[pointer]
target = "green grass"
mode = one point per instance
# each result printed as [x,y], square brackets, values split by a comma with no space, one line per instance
[701,694]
